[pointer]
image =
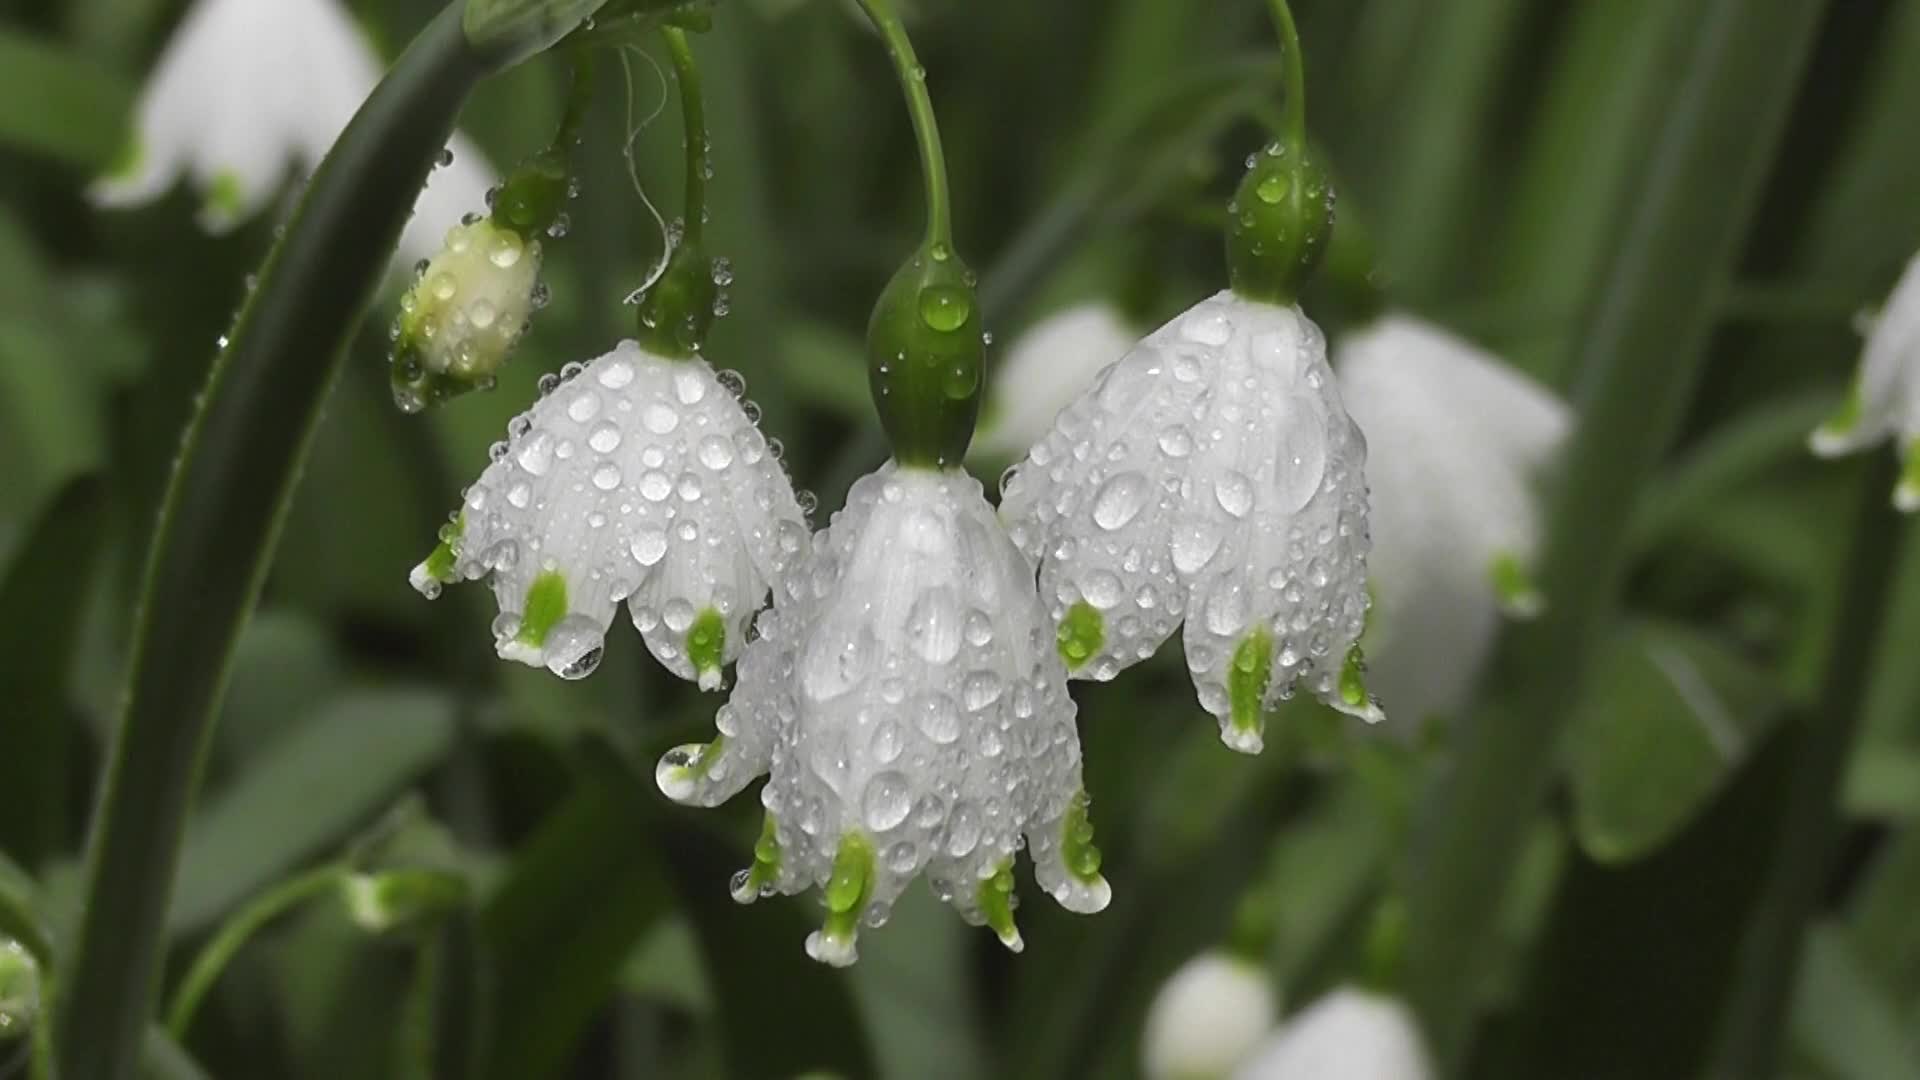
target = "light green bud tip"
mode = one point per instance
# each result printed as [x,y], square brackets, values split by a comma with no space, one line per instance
[925,352]
[1514,589]
[546,605]
[19,989]
[396,899]
[1080,635]
[707,647]
[1906,494]
[1076,840]
[752,883]
[996,902]
[1280,223]
[847,891]
[1247,689]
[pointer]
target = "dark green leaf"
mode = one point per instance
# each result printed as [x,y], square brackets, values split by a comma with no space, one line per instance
[1671,716]
[1842,1021]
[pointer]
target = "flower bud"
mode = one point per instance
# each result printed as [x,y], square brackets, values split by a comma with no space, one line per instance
[1206,1018]
[925,352]
[1279,224]
[394,899]
[19,989]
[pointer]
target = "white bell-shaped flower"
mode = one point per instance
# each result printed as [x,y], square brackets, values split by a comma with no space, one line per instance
[248,90]
[1885,400]
[1044,370]
[905,694]
[633,478]
[1456,445]
[1211,476]
[1347,1035]
[1207,1018]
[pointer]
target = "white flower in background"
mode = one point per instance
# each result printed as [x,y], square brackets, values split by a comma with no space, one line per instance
[1885,400]
[1207,1018]
[249,89]
[465,312]
[1044,370]
[1346,1035]
[634,478]
[905,694]
[1210,476]
[1456,442]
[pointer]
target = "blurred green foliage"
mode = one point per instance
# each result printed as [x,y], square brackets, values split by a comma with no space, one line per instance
[1490,148]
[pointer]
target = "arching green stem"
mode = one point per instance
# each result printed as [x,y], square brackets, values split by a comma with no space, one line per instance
[693,115]
[214,957]
[926,130]
[1293,129]
[579,100]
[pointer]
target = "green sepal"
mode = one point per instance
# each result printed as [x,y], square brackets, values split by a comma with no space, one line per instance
[766,863]
[677,311]
[1280,224]
[1247,682]
[848,888]
[925,353]
[440,564]
[707,646]
[1080,635]
[546,605]
[995,897]
[532,198]
[415,387]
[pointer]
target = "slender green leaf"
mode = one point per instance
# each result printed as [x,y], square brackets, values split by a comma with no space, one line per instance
[1845,1023]
[306,794]
[163,1059]
[45,592]
[1671,716]
[1643,348]
[226,498]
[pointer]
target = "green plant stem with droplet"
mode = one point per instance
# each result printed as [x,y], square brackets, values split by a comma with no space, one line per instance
[214,957]
[678,310]
[1280,222]
[924,343]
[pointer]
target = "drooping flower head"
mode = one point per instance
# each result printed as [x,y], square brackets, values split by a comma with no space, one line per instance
[1206,1018]
[905,695]
[1885,399]
[1044,369]
[1458,444]
[246,92]
[1347,1035]
[1210,478]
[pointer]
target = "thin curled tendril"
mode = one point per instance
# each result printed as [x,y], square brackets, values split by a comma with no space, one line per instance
[633,170]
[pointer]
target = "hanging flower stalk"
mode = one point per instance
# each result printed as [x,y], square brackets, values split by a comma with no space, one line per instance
[903,689]
[1212,479]
[641,476]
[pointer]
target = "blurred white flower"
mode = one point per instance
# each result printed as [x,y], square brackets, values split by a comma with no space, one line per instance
[1885,400]
[1456,442]
[633,478]
[1346,1035]
[247,89]
[1044,370]
[1207,1018]
[905,694]
[1211,475]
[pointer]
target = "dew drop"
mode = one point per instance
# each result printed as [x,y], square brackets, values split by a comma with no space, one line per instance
[1119,500]
[887,801]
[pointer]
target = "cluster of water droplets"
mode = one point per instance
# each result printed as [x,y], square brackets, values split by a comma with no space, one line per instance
[633,478]
[1210,477]
[904,690]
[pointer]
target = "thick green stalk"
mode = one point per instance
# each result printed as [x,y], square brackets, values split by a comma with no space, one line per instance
[926,130]
[1750,1031]
[1644,349]
[219,522]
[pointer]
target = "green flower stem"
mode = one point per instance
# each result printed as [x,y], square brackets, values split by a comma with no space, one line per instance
[1755,1018]
[693,117]
[1644,347]
[1293,126]
[573,116]
[219,522]
[243,925]
[926,130]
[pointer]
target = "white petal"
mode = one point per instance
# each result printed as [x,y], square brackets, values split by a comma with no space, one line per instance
[1206,1018]
[1457,443]
[1044,370]
[1346,1035]
[1886,392]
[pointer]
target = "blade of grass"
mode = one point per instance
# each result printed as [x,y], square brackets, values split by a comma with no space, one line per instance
[1644,345]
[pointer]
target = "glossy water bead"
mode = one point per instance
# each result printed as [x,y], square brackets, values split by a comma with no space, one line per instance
[905,694]
[633,478]
[1210,478]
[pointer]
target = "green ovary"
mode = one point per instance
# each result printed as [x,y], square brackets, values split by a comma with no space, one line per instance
[707,643]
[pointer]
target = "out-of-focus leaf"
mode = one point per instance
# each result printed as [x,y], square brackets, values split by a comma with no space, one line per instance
[665,967]
[1842,1022]
[914,990]
[45,591]
[283,664]
[1670,716]
[20,918]
[583,890]
[780,1013]
[163,1059]
[828,369]
[1883,783]
[305,794]
[1882,919]
[59,105]
[50,423]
